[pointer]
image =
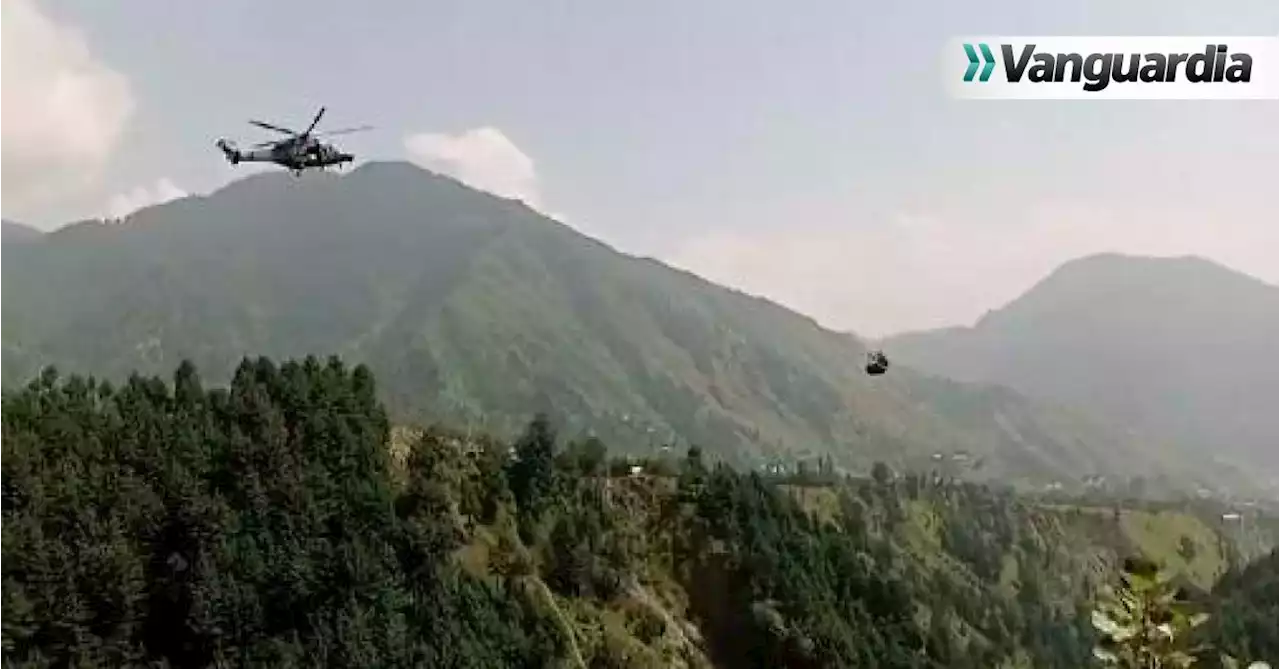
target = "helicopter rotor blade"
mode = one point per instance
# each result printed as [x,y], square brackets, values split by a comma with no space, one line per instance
[314,121]
[345,131]
[276,128]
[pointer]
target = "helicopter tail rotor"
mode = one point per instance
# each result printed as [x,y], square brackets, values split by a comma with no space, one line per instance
[229,150]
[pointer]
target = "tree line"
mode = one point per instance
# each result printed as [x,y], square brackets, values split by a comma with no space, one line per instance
[268,523]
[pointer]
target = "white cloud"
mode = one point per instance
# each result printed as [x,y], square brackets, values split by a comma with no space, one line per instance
[917,272]
[483,158]
[162,191]
[63,110]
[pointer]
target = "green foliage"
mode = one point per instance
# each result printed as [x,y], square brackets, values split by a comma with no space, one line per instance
[1146,622]
[1244,616]
[533,474]
[1187,548]
[1149,623]
[266,524]
[254,525]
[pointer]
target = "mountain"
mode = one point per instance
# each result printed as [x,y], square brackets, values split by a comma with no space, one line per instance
[479,311]
[1177,349]
[17,232]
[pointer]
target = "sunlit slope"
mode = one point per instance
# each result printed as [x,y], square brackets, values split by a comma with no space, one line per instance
[477,310]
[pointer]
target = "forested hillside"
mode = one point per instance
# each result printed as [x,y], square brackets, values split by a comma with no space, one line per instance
[1243,618]
[283,522]
[478,311]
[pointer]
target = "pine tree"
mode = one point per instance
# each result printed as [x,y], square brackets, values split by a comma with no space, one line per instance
[533,474]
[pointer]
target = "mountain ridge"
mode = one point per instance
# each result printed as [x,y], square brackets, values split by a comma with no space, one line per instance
[479,310]
[1176,348]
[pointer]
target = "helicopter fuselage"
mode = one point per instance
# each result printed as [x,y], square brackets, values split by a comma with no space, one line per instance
[298,152]
[296,156]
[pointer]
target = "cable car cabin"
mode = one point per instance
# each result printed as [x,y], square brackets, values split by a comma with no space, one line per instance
[877,363]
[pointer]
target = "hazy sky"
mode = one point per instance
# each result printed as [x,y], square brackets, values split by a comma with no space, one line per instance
[807,153]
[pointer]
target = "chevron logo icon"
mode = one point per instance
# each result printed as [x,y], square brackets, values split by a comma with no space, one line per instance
[987,57]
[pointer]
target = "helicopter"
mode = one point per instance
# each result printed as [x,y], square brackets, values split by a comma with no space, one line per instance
[297,152]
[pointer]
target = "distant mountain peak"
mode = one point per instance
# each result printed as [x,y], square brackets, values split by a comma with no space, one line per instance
[273,178]
[382,173]
[390,166]
[1124,337]
[1134,264]
[1183,283]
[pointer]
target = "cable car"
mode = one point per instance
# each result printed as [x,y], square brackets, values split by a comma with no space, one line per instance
[877,363]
